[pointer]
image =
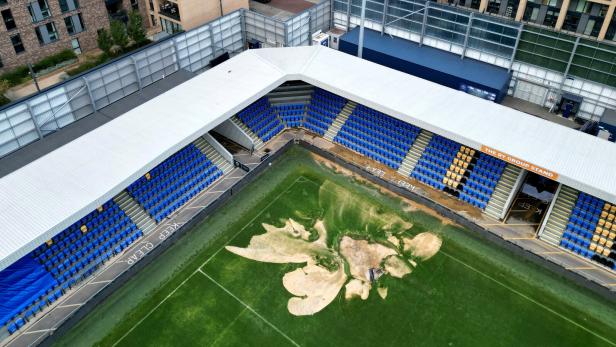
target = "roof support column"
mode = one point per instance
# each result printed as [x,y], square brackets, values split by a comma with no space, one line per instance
[36,125]
[384,21]
[348,24]
[132,58]
[177,53]
[566,73]
[515,47]
[360,47]
[562,14]
[521,8]
[607,20]
[423,23]
[87,84]
[468,32]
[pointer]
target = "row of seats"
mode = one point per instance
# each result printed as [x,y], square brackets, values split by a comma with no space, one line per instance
[188,173]
[322,110]
[262,120]
[589,231]
[483,176]
[70,257]
[292,115]
[385,138]
[437,158]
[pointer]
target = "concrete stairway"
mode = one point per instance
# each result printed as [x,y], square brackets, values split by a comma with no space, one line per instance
[502,191]
[255,139]
[291,94]
[414,153]
[138,215]
[558,218]
[212,154]
[333,129]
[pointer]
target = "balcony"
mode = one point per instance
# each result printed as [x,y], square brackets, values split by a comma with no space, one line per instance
[169,9]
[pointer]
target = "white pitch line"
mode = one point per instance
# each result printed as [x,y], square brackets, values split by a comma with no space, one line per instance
[250,309]
[200,266]
[154,309]
[530,299]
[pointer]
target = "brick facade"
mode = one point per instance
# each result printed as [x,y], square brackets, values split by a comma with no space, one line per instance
[94,15]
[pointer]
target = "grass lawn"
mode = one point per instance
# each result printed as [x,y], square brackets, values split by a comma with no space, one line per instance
[470,293]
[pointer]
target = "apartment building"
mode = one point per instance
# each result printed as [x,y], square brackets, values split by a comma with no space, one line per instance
[177,15]
[593,18]
[34,29]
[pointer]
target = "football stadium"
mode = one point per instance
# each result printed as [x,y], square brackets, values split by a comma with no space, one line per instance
[302,196]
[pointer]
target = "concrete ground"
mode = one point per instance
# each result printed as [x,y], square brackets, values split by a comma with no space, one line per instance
[538,111]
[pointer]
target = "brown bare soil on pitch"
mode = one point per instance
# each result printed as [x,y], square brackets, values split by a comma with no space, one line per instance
[316,284]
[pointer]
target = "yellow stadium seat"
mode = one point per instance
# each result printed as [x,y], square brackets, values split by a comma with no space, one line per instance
[457,169]
[99,209]
[595,237]
[606,252]
[472,152]
[452,167]
[604,214]
[613,209]
[602,241]
[601,222]
[459,155]
[610,217]
[598,230]
[599,249]
[84,229]
[462,148]
[612,235]
[608,225]
[467,151]
[448,174]
[148,176]
[462,171]
[459,178]
[605,233]
[49,242]
[614,227]
[455,185]
[445,179]
[607,206]
[465,165]
[592,247]
[609,243]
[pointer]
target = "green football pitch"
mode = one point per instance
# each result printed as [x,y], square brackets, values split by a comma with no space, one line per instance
[471,293]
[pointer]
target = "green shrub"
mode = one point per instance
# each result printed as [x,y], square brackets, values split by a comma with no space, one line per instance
[4,100]
[54,60]
[89,64]
[16,76]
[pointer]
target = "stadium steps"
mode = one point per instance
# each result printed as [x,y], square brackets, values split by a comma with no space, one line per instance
[255,139]
[135,212]
[340,120]
[502,191]
[290,94]
[212,154]
[414,153]
[558,218]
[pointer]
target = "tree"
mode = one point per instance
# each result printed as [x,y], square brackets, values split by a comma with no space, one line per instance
[135,28]
[104,41]
[118,34]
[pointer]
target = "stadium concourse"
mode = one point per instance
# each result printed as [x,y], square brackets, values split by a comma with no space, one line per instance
[77,218]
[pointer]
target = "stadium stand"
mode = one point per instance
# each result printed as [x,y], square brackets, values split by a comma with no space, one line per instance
[323,108]
[261,119]
[43,276]
[292,115]
[459,170]
[591,230]
[377,136]
[173,182]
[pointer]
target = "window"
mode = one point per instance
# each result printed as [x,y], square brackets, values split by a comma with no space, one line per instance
[9,22]
[17,44]
[46,33]
[39,10]
[68,5]
[74,24]
[76,46]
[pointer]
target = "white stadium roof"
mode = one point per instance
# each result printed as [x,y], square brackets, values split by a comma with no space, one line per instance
[49,194]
